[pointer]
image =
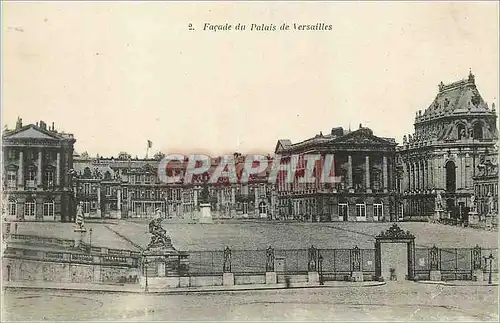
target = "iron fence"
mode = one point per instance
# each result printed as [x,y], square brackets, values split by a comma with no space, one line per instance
[453,263]
[333,264]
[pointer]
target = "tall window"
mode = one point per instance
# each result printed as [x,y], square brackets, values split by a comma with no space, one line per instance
[11,179]
[12,208]
[86,207]
[378,211]
[245,207]
[48,209]
[343,211]
[262,208]
[361,212]
[31,176]
[49,178]
[29,208]
[86,188]
[11,154]
[401,212]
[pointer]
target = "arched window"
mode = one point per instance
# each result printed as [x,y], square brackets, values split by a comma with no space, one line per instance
[462,133]
[478,131]
[48,208]
[450,177]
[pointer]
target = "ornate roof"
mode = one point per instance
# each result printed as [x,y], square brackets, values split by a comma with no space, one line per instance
[338,137]
[395,233]
[459,97]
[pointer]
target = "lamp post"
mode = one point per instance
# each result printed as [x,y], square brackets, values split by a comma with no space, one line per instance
[145,265]
[490,258]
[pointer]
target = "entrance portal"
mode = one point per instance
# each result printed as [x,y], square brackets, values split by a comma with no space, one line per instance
[395,254]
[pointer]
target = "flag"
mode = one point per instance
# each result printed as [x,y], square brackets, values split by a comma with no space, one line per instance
[150,144]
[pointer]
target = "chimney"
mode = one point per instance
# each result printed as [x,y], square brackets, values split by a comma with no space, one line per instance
[36,124]
[53,127]
[19,123]
[43,125]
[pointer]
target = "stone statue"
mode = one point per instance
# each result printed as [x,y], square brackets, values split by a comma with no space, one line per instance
[490,203]
[79,216]
[405,140]
[159,237]
[439,201]
[410,139]
[473,203]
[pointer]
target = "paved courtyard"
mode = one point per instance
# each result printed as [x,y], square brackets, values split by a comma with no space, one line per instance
[259,234]
[392,302]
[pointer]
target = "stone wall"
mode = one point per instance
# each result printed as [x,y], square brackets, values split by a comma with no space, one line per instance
[34,270]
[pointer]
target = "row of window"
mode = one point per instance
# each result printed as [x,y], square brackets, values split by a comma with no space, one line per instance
[31,177]
[31,154]
[343,210]
[48,208]
[483,190]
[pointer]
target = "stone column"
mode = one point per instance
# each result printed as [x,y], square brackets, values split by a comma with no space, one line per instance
[99,200]
[385,174]
[367,171]
[20,171]
[39,170]
[58,169]
[119,199]
[349,171]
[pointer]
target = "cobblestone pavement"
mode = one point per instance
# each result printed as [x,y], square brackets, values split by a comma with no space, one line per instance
[395,301]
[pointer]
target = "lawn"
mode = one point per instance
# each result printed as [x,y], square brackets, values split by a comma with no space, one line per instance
[260,235]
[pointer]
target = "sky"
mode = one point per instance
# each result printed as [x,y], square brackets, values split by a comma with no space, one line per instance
[117,74]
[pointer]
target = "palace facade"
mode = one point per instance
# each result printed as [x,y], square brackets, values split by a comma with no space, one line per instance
[443,154]
[36,182]
[365,165]
[129,188]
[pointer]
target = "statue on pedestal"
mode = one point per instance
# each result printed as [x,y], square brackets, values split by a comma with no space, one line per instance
[473,206]
[79,222]
[159,237]
[439,202]
[491,206]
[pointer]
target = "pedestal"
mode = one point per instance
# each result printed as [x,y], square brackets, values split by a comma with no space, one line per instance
[313,277]
[228,279]
[473,218]
[478,275]
[357,276]
[435,275]
[437,215]
[271,278]
[79,236]
[205,213]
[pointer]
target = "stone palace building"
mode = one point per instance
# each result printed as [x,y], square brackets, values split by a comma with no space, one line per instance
[451,137]
[36,181]
[365,164]
[129,188]
[452,152]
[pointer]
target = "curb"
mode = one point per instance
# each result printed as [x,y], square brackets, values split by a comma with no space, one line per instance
[185,290]
[444,283]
